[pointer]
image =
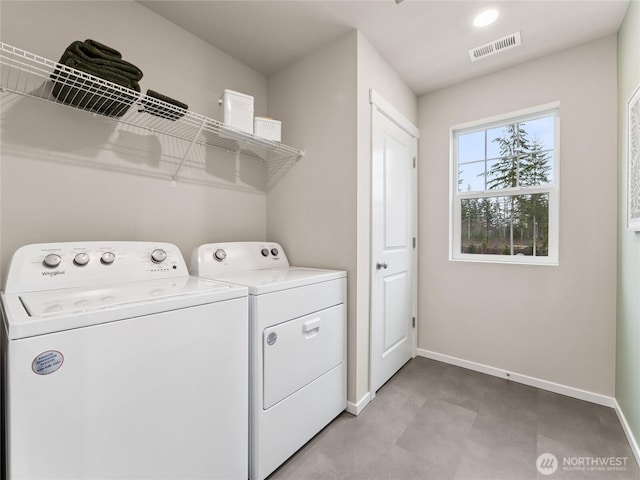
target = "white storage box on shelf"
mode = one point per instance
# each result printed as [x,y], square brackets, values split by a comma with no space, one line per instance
[267,128]
[237,110]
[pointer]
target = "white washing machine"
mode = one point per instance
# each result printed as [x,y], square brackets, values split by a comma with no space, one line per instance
[298,345]
[118,365]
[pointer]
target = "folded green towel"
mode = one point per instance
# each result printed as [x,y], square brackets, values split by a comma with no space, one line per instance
[101,61]
[82,52]
[161,111]
[83,94]
[105,49]
[106,73]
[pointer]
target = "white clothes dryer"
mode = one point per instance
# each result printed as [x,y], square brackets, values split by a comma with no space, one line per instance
[118,365]
[298,345]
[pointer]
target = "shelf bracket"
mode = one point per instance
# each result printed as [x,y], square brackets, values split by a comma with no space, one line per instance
[193,141]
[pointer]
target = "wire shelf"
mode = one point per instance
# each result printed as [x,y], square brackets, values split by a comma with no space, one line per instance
[34,76]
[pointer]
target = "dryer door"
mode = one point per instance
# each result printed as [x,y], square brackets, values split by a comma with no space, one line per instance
[297,352]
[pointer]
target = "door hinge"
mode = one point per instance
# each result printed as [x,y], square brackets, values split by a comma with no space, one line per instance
[414,242]
[414,162]
[413,322]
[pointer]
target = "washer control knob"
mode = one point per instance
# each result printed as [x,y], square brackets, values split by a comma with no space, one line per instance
[108,258]
[158,255]
[265,252]
[220,255]
[274,252]
[81,259]
[52,260]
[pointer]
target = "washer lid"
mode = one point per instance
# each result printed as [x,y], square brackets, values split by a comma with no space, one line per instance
[37,313]
[275,279]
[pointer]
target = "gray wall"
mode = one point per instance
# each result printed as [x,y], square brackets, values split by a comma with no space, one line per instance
[312,210]
[551,323]
[320,210]
[628,340]
[68,175]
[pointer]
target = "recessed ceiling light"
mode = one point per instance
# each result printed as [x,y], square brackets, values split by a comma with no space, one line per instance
[486,18]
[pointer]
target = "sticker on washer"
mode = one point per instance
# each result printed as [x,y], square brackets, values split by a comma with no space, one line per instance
[47,362]
[272,338]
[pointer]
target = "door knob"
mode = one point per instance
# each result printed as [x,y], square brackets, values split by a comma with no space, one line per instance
[380,265]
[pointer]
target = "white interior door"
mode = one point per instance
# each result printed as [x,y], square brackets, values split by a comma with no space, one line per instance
[393,227]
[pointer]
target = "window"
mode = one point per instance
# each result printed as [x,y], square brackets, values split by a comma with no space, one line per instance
[505,188]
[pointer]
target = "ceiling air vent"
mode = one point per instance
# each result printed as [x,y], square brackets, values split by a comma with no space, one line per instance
[491,48]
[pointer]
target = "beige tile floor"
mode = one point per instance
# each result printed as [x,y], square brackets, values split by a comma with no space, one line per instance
[437,421]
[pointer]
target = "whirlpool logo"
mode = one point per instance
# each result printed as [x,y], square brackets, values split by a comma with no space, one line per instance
[53,273]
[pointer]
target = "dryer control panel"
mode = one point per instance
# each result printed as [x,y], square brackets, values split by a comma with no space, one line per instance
[214,259]
[49,266]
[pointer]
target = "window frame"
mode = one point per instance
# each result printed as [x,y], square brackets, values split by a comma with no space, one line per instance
[552,189]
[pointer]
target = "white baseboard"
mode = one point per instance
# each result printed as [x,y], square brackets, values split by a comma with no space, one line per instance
[627,431]
[357,408]
[524,379]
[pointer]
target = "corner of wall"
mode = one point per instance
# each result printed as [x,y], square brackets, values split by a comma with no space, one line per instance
[312,210]
[627,389]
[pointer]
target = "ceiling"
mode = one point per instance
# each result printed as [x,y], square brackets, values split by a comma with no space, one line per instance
[426,42]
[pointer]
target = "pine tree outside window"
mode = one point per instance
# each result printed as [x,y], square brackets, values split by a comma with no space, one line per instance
[505,188]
